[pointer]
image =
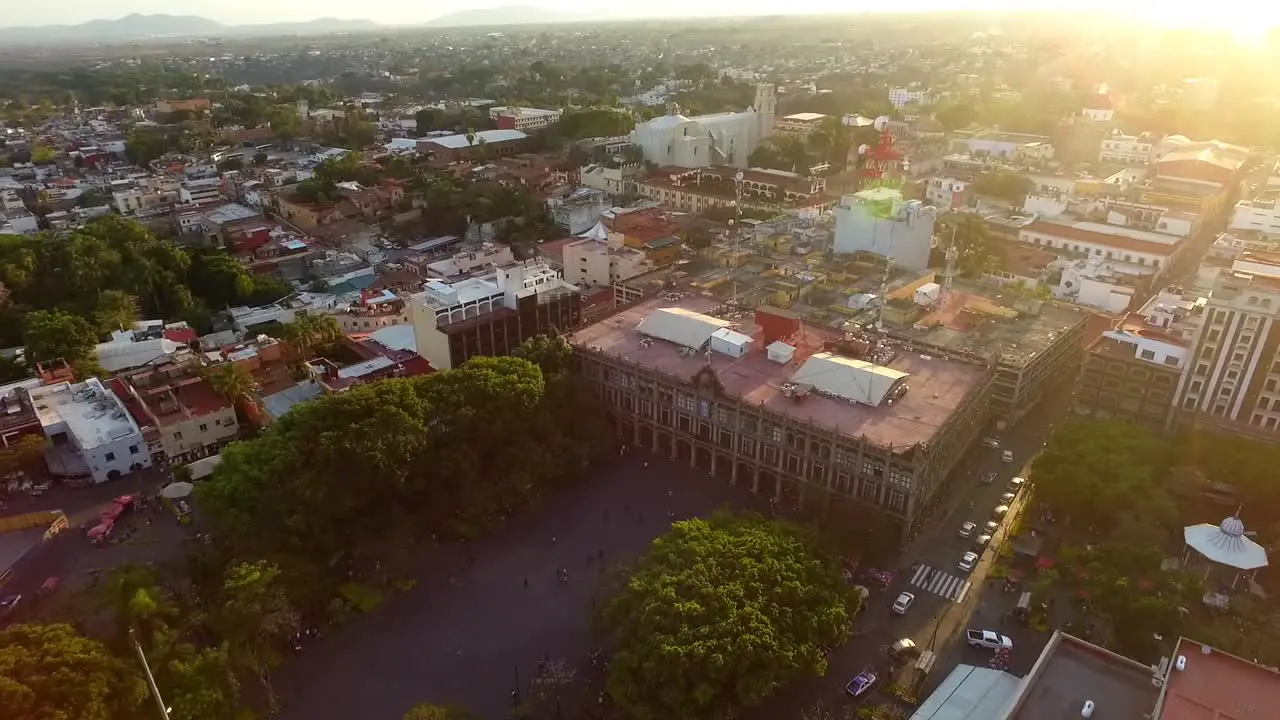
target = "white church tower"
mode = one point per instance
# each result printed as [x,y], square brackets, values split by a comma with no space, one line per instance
[766,106]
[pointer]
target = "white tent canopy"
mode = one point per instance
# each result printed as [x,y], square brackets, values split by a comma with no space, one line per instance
[682,327]
[598,232]
[848,379]
[1226,544]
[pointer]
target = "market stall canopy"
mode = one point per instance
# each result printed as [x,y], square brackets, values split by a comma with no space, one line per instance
[1226,544]
[177,490]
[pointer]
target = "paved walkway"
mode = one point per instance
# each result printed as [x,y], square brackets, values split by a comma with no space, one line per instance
[465,633]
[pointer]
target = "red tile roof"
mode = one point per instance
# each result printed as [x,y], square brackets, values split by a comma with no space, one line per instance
[1120,242]
[1218,685]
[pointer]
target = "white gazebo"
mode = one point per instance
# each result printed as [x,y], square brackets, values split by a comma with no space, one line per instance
[1225,545]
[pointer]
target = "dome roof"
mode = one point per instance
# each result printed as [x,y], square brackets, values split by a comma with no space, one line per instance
[1232,527]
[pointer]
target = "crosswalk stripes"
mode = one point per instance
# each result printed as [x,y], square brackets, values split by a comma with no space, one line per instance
[940,583]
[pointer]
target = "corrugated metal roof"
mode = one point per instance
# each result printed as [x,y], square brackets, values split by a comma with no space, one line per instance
[969,693]
[846,378]
[682,327]
[457,142]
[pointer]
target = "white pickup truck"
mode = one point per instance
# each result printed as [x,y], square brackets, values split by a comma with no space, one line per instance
[989,639]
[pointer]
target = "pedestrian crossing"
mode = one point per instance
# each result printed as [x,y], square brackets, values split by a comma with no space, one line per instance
[940,583]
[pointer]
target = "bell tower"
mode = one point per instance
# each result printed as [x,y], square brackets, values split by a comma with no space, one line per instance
[766,106]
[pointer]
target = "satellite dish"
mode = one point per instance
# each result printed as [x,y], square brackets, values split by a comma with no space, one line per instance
[862,149]
[738,177]
[882,122]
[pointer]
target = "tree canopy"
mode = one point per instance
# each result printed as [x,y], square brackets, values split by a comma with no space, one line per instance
[719,614]
[52,672]
[411,443]
[112,271]
[1097,473]
[975,248]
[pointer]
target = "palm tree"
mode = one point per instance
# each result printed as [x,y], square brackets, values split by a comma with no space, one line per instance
[308,333]
[232,381]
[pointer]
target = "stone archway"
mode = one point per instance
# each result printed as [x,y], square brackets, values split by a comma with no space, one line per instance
[664,443]
[646,435]
[724,467]
[702,458]
[683,451]
[628,431]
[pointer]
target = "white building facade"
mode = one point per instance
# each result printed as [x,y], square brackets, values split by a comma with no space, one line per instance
[90,418]
[1256,215]
[881,222]
[705,140]
[1126,149]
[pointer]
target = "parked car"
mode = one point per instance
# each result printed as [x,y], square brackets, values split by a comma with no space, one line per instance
[861,683]
[991,441]
[999,511]
[967,561]
[904,648]
[1006,456]
[8,603]
[1015,484]
[989,639]
[903,603]
[1007,498]
[992,526]
[988,478]
[967,529]
[982,540]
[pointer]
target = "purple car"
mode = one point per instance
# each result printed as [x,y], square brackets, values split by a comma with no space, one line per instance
[861,684]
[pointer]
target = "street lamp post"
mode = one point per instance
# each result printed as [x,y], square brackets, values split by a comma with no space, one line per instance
[151,680]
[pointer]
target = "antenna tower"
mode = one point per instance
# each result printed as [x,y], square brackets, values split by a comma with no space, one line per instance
[737,235]
[952,256]
[884,294]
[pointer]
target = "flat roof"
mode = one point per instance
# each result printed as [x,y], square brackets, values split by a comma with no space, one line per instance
[1217,685]
[1071,671]
[971,322]
[92,413]
[459,141]
[969,693]
[230,212]
[937,385]
[804,117]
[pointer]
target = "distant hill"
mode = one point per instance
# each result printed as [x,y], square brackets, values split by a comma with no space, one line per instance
[497,17]
[139,27]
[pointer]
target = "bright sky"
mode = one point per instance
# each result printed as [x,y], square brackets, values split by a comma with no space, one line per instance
[1246,15]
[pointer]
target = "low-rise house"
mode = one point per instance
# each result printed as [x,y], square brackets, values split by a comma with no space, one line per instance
[182,416]
[89,424]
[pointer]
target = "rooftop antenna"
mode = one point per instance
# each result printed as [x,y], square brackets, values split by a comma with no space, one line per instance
[737,235]
[884,290]
[952,255]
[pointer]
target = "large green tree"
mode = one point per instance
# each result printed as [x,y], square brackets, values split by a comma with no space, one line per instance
[52,672]
[721,613]
[1095,473]
[330,481]
[50,335]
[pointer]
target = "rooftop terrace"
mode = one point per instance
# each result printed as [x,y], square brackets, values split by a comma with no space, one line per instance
[1218,686]
[1071,671]
[972,322]
[937,386]
[87,411]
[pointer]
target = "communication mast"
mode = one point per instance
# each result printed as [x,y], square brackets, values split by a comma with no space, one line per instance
[952,256]
[737,235]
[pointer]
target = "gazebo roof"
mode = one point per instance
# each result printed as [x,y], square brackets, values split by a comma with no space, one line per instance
[1226,544]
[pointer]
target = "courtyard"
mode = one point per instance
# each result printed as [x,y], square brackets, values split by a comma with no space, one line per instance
[472,629]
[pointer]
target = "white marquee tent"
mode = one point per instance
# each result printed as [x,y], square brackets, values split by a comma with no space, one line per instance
[848,379]
[682,327]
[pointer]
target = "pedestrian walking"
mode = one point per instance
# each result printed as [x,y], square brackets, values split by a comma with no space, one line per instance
[553,539]
[526,582]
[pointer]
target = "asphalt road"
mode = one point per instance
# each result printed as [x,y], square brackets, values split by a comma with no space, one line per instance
[935,621]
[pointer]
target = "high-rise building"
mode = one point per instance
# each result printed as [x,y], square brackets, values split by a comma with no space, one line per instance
[1233,374]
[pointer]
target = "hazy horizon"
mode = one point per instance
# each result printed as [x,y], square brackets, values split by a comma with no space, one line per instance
[1230,14]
